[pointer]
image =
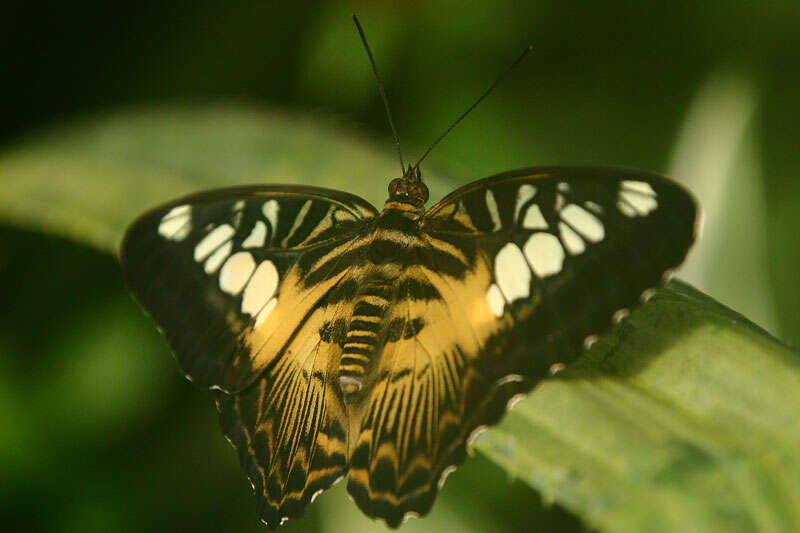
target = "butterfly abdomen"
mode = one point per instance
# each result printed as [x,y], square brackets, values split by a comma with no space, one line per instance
[364,333]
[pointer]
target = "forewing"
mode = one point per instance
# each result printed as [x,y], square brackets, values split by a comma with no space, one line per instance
[514,273]
[568,247]
[230,275]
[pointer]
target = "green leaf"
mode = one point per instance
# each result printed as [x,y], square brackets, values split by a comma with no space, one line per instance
[88,181]
[683,417]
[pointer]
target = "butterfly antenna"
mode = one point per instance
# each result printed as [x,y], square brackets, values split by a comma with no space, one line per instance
[473,106]
[381,89]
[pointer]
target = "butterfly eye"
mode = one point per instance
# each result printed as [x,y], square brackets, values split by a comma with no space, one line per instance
[393,188]
[419,190]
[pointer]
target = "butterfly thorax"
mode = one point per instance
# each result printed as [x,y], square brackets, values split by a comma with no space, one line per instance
[365,333]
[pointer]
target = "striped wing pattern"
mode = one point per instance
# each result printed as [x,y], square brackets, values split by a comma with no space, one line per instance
[237,280]
[213,267]
[517,271]
[379,344]
[428,388]
[290,426]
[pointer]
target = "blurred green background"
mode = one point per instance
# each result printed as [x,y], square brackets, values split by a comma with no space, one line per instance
[100,432]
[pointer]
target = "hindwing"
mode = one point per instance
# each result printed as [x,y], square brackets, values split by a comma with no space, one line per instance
[429,388]
[290,427]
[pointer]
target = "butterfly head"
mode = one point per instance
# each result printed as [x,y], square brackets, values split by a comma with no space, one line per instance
[409,189]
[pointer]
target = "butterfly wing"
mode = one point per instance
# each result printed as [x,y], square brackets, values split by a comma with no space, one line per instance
[239,281]
[290,427]
[223,269]
[513,274]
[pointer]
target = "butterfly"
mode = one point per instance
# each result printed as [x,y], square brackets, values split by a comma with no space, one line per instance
[347,341]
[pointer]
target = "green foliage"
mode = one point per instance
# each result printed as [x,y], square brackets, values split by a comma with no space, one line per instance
[89,181]
[683,415]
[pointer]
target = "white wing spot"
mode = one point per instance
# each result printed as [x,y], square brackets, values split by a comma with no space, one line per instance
[636,198]
[641,204]
[620,315]
[583,221]
[183,232]
[639,186]
[298,221]
[514,400]
[496,301]
[572,241]
[534,218]
[176,224]
[491,206]
[239,205]
[591,206]
[270,210]
[409,515]
[512,273]
[216,259]
[646,295]
[563,187]
[212,241]
[589,341]
[555,368]
[510,378]
[178,211]
[544,253]
[626,209]
[257,237]
[260,288]
[236,272]
[447,471]
[559,205]
[477,432]
[237,219]
[525,193]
